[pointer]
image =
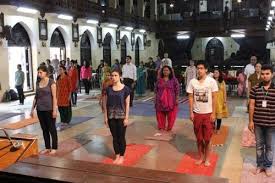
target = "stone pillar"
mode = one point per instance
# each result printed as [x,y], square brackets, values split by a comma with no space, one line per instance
[128,6]
[153,9]
[140,8]
[113,4]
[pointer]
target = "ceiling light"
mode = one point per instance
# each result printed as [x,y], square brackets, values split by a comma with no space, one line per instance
[113,25]
[171,5]
[183,36]
[27,10]
[239,1]
[271,12]
[273,3]
[267,29]
[129,28]
[142,30]
[65,17]
[270,18]
[90,21]
[237,35]
[268,23]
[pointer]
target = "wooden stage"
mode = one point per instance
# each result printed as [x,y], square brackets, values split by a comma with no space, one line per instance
[46,169]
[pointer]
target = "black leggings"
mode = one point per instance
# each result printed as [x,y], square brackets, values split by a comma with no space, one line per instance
[118,131]
[219,123]
[47,123]
[86,83]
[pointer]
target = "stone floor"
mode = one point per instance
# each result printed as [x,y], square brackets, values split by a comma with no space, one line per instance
[164,155]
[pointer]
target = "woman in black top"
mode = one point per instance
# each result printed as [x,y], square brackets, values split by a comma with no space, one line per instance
[116,113]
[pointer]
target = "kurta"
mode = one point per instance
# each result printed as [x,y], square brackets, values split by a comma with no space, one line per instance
[141,83]
[221,107]
[63,86]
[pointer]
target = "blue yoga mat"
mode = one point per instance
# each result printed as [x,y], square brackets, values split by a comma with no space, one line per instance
[75,120]
[4,116]
[148,109]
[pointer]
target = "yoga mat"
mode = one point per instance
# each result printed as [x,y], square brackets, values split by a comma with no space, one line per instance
[248,138]
[148,109]
[188,166]
[134,152]
[220,139]
[4,116]
[72,144]
[248,177]
[163,137]
[75,120]
[21,124]
[105,132]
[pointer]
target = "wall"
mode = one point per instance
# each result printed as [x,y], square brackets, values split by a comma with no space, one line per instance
[40,54]
[199,46]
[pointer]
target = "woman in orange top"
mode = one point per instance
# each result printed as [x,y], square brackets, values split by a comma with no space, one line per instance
[63,85]
[73,73]
[105,84]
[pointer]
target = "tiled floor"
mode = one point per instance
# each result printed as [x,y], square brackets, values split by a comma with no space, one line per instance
[164,155]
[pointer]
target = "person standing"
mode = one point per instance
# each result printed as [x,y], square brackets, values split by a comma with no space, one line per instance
[19,83]
[166,99]
[151,79]
[116,64]
[241,83]
[141,78]
[202,102]
[63,86]
[50,69]
[129,75]
[86,76]
[255,78]
[249,70]
[157,64]
[166,61]
[262,120]
[106,69]
[221,106]
[105,84]
[116,114]
[45,102]
[99,71]
[190,73]
[55,63]
[73,74]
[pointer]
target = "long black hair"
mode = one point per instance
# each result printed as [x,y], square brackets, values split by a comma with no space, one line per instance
[171,75]
[220,79]
[64,68]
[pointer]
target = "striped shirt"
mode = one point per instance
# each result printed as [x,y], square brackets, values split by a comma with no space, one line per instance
[263,116]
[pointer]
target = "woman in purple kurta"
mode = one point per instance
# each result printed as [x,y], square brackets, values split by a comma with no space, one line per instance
[166,99]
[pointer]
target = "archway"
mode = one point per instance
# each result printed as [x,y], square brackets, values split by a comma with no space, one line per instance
[57,45]
[19,51]
[137,54]
[107,49]
[161,48]
[123,47]
[214,52]
[85,48]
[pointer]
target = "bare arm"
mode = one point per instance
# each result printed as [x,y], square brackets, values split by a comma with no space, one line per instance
[251,109]
[104,103]
[191,105]
[127,107]
[249,88]
[53,88]
[214,101]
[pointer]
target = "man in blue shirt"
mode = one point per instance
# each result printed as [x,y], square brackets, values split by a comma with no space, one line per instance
[19,83]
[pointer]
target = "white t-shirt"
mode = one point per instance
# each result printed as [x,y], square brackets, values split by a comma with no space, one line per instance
[248,70]
[202,94]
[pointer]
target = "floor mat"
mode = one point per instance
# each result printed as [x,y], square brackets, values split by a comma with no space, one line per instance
[248,138]
[133,154]
[148,109]
[188,166]
[220,139]
[104,131]
[4,116]
[20,124]
[247,176]
[75,120]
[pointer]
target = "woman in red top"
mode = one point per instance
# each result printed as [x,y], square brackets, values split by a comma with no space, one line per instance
[73,73]
[86,75]
[63,85]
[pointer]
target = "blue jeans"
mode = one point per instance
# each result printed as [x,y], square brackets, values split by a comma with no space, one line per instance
[264,149]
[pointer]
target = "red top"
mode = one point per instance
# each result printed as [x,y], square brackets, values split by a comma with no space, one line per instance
[63,88]
[73,73]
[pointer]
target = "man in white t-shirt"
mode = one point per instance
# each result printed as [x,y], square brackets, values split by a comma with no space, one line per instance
[166,61]
[202,100]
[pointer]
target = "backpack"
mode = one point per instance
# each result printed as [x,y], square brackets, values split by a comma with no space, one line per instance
[6,96]
[13,95]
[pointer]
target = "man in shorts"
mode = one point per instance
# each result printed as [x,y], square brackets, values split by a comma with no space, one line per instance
[202,100]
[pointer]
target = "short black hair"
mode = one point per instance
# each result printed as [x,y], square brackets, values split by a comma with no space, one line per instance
[202,62]
[43,68]
[267,67]
[117,70]
[128,56]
